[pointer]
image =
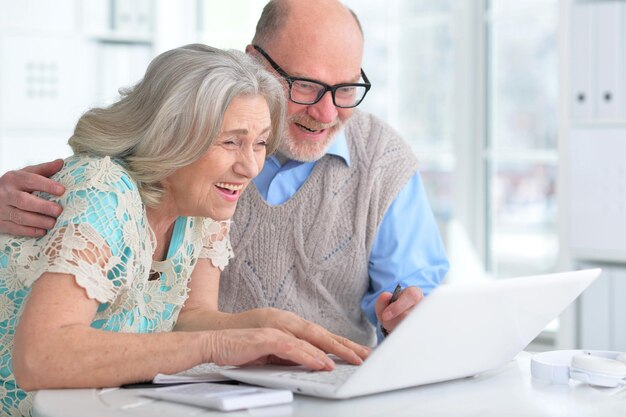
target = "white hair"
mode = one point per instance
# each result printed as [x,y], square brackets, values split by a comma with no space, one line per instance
[171,117]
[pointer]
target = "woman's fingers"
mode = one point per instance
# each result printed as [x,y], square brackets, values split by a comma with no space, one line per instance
[245,346]
[315,334]
[331,343]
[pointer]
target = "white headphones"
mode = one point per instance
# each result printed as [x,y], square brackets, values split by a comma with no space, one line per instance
[594,367]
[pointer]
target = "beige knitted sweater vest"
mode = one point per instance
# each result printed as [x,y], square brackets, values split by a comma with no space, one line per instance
[310,254]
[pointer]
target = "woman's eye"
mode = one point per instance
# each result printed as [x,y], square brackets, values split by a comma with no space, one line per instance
[260,146]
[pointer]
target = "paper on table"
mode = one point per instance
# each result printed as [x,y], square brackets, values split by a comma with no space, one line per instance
[221,397]
[206,372]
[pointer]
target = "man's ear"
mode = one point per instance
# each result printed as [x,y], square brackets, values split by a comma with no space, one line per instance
[249,49]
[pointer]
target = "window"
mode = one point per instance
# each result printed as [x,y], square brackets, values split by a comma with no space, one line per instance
[472,85]
[411,60]
[521,142]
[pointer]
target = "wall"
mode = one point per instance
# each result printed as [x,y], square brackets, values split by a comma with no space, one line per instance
[58,59]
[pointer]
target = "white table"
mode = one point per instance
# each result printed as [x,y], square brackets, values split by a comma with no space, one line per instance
[509,391]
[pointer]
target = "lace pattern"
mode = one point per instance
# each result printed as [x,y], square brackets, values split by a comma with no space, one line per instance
[216,245]
[103,239]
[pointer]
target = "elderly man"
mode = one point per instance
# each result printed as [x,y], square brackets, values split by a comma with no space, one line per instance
[339,216]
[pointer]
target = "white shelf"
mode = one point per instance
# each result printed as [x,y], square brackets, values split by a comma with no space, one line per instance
[598,124]
[113,37]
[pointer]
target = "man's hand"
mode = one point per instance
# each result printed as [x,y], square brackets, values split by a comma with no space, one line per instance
[390,315]
[23,214]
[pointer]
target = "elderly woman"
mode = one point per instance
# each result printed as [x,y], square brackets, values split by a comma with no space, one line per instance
[138,249]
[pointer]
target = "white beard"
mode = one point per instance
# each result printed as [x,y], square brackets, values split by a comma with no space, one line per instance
[307,151]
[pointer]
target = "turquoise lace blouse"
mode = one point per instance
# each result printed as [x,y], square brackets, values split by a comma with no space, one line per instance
[103,219]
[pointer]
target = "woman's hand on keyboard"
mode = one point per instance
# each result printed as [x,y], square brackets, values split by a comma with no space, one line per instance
[262,346]
[295,325]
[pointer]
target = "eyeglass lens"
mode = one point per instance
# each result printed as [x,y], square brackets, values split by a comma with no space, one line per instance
[309,92]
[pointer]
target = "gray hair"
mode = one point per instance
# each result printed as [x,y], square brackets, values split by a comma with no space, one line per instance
[170,118]
[273,19]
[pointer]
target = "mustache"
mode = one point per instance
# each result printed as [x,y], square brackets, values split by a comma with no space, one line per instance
[313,124]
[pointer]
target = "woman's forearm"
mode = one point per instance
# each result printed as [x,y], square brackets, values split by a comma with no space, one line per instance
[199,319]
[79,356]
[56,347]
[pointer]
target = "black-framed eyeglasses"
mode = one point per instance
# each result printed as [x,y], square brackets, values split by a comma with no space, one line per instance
[307,91]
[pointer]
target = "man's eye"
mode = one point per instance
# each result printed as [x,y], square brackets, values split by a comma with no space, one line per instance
[304,86]
[346,91]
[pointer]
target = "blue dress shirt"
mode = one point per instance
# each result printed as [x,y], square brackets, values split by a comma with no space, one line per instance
[407,248]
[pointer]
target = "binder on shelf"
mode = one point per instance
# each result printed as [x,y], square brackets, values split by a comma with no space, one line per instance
[581,47]
[131,17]
[609,75]
[597,62]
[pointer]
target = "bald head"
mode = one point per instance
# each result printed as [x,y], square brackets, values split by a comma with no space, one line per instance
[277,13]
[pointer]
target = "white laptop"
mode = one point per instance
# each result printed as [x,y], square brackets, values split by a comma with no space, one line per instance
[457,331]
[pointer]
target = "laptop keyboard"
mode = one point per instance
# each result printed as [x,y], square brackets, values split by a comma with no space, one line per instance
[335,377]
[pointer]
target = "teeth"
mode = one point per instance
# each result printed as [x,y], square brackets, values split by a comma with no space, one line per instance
[306,128]
[232,187]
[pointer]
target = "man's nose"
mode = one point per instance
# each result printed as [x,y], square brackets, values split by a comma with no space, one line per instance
[324,111]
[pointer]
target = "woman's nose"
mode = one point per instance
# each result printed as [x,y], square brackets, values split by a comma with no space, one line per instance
[247,164]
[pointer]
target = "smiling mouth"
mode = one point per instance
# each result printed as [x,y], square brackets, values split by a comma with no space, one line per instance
[306,129]
[231,189]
